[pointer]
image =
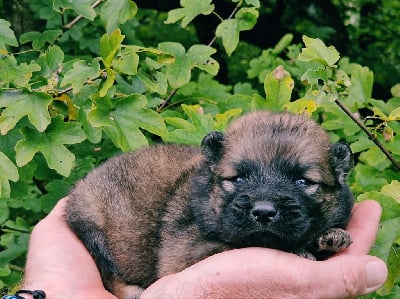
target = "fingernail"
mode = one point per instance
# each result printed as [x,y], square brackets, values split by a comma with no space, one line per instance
[376,274]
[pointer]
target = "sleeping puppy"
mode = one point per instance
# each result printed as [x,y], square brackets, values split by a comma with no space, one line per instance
[273,180]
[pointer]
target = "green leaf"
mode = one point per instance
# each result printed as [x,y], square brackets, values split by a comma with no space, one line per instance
[15,247]
[255,3]
[156,82]
[394,115]
[19,74]
[247,18]
[200,57]
[316,50]
[278,86]
[109,46]
[395,90]
[179,72]
[190,132]
[154,54]
[34,105]
[123,121]
[51,144]
[8,172]
[127,62]
[302,105]
[223,119]
[4,209]
[80,73]
[115,12]
[39,39]
[51,60]
[393,190]
[312,76]
[283,43]
[190,9]
[229,30]
[81,7]
[7,36]
[360,91]
[385,248]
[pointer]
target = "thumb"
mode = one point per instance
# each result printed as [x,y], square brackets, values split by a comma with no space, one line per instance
[349,276]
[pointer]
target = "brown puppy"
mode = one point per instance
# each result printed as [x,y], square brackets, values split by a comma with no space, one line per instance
[273,180]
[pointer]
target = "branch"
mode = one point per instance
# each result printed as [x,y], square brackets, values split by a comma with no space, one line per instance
[76,20]
[369,134]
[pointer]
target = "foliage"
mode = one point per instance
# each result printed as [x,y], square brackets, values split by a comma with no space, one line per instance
[93,83]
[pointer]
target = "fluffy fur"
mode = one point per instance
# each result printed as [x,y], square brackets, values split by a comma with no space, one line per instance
[273,180]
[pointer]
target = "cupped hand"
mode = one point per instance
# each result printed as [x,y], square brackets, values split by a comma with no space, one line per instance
[268,273]
[60,265]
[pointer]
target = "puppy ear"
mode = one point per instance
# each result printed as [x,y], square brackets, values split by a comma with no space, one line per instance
[212,147]
[342,160]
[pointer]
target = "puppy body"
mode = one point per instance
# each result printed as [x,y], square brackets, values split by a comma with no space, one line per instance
[273,180]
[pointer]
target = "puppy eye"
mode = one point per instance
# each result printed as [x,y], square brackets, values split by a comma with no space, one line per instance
[236,179]
[303,182]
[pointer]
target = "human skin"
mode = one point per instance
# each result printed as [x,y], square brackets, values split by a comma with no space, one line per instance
[59,264]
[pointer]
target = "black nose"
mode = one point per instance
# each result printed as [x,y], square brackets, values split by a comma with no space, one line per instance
[264,212]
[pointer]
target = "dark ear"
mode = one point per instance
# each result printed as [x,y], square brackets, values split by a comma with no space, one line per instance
[212,147]
[342,160]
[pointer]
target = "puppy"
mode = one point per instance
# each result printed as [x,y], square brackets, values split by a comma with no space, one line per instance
[273,180]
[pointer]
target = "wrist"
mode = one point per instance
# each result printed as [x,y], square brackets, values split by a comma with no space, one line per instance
[26,294]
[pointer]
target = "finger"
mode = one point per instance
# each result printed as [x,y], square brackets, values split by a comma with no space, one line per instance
[266,273]
[349,276]
[363,226]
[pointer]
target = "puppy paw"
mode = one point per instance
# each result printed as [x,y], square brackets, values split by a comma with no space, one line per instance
[306,254]
[334,240]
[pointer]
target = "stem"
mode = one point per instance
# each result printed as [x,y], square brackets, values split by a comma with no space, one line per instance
[161,107]
[369,134]
[16,268]
[76,20]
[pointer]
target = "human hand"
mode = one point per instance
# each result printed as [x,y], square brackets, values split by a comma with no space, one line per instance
[59,264]
[268,273]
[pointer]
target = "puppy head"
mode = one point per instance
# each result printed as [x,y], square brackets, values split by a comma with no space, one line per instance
[272,180]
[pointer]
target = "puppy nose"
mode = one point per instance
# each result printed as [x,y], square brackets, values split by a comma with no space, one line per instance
[264,212]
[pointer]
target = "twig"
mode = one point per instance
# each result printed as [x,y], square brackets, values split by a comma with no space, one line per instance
[76,20]
[16,268]
[165,102]
[370,135]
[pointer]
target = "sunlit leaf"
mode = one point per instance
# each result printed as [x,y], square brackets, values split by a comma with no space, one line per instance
[8,172]
[7,36]
[39,39]
[179,72]
[190,9]
[316,50]
[19,74]
[115,12]
[80,73]
[82,7]
[51,144]
[123,121]
[17,105]
[278,86]
[229,29]
[193,131]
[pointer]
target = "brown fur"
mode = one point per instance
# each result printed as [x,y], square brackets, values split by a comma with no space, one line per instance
[154,212]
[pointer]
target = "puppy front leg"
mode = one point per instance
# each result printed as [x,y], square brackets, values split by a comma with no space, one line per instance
[333,240]
[306,254]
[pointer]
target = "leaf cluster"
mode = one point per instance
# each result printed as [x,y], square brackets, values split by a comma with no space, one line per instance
[96,81]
